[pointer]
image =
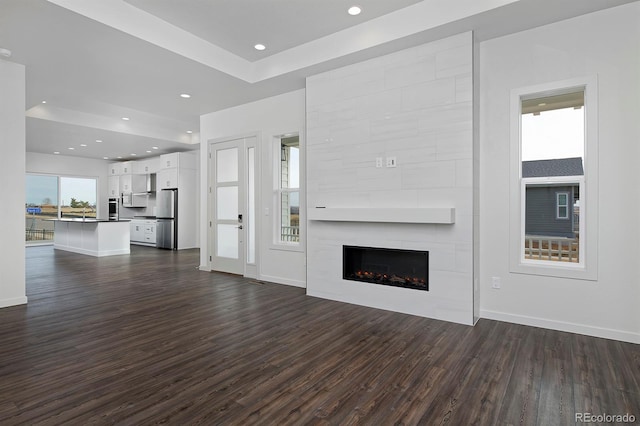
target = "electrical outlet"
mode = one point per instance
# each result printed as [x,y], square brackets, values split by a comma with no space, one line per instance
[378,162]
[391,161]
[495,282]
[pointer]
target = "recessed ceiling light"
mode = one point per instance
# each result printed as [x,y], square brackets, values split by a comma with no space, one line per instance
[99,140]
[185,95]
[5,52]
[119,156]
[354,10]
[56,152]
[44,102]
[189,131]
[71,148]
[155,147]
[83,144]
[259,46]
[148,151]
[105,158]
[125,118]
[133,155]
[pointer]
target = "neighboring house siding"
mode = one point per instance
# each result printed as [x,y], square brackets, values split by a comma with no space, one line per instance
[541,212]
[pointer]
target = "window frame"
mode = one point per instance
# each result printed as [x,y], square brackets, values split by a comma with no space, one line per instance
[587,268]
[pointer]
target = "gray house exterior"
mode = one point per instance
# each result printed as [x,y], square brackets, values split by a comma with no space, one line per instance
[550,207]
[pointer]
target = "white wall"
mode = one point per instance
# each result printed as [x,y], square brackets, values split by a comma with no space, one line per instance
[12,140]
[62,165]
[266,118]
[606,44]
[415,105]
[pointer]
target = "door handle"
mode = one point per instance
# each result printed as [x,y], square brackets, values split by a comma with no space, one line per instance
[239,227]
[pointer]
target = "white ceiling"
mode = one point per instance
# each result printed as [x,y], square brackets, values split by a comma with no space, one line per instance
[96,61]
[278,24]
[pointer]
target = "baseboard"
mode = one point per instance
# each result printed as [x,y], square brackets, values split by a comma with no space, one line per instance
[4,303]
[280,280]
[94,253]
[588,330]
[204,268]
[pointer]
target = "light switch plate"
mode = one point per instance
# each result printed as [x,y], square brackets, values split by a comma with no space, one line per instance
[495,282]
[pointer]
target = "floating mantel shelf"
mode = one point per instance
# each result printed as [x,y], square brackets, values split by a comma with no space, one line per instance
[444,215]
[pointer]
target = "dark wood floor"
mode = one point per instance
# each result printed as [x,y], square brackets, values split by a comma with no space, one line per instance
[149,339]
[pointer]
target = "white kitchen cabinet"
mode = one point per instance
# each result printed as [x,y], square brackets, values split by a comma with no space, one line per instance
[150,232]
[137,231]
[167,179]
[153,164]
[168,161]
[115,169]
[146,166]
[182,160]
[140,167]
[143,232]
[114,186]
[133,183]
[127,167]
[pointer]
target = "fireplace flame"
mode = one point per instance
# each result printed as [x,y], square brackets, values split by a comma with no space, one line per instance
[380,278]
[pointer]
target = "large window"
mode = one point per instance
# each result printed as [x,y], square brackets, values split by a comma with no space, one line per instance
[78,196]
[54,197]
[553,129]
[288,191]
[552,169]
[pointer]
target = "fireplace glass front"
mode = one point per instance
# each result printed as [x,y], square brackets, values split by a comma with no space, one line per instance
[393,267]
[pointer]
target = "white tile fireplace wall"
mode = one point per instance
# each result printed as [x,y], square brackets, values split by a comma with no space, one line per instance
[415,106]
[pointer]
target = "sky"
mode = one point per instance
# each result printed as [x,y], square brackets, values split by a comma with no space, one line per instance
[553,134]
[294,164]
[41,187]
[294,178]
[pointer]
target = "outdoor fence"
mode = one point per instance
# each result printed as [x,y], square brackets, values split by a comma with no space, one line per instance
[39,235]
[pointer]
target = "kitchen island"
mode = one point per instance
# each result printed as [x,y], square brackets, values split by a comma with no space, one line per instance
[93,237]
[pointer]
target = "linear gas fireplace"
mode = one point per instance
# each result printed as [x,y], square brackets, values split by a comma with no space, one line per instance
[393,267]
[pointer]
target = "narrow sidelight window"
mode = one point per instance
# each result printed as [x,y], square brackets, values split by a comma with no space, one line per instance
[288,192]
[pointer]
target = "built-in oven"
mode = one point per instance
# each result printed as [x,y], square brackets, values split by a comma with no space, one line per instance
[113,209]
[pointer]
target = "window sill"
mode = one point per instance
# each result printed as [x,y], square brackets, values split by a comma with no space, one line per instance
[547,269]
[296,247]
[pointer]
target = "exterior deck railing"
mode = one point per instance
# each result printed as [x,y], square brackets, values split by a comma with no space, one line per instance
[551,248]
[290,234]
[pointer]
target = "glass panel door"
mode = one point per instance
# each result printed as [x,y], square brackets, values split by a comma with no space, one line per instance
[227,187]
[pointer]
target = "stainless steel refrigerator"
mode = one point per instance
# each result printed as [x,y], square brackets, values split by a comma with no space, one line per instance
[167,219]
